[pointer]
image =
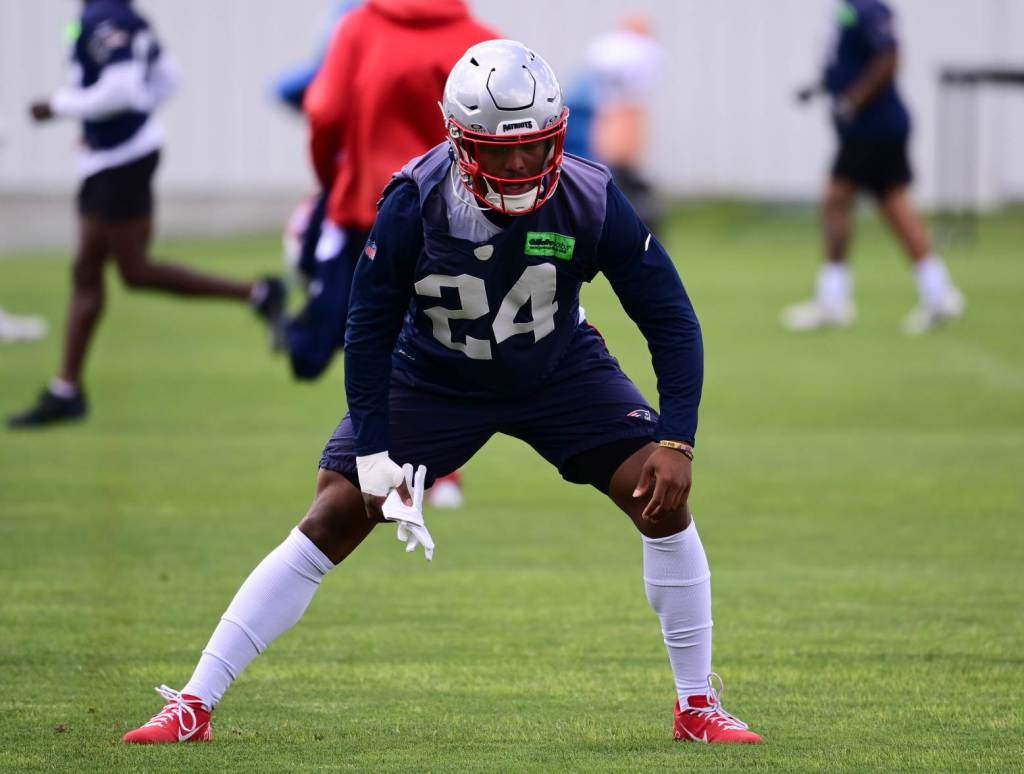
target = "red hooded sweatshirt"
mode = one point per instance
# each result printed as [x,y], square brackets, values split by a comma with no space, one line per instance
[373,104]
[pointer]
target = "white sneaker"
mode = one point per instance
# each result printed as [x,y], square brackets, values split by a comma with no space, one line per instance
[447,491]
[813,315]
[927,317]
[21,327]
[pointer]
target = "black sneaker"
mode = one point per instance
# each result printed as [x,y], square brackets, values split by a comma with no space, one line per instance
[269,299]
[49,410]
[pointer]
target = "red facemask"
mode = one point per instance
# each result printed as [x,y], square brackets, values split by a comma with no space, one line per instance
[501,191]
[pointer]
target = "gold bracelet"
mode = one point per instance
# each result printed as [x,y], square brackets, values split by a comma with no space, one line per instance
[683,448]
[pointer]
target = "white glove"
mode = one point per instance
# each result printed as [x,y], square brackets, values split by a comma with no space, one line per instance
[378,474]
[412,530]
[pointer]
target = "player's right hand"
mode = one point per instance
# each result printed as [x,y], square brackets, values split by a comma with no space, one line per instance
[378,475]
[40,111]
[412,529]
[807,93]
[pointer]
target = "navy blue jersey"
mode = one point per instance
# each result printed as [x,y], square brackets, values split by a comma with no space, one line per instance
[112,32]
[500,318]
[865,30]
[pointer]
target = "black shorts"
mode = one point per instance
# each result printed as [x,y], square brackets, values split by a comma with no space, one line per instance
[120,193]
[878,166]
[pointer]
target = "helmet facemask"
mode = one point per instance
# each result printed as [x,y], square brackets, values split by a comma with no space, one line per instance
[514,173]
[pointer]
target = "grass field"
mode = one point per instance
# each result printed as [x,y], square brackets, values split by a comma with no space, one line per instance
[860,496]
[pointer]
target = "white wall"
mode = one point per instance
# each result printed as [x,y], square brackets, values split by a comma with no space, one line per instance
[725,124]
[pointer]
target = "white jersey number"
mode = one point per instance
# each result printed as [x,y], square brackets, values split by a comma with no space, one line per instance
[536,286]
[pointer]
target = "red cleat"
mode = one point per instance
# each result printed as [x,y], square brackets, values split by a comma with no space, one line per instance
[183,719]
[705,720]
[447,491]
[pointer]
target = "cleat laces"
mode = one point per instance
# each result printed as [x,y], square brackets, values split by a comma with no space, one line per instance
[176,710]
[715,712]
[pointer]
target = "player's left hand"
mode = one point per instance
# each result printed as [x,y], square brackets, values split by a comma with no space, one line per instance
[669,474]
[40,111]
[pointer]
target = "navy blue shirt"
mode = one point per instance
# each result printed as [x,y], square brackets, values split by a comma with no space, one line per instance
[866,30]
[500,318]
[112,32]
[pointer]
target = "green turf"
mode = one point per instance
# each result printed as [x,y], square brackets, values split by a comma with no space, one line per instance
[859,493]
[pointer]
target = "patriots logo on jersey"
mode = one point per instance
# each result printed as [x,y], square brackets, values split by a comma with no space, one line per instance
[106,39]
[641,414]
[371,250]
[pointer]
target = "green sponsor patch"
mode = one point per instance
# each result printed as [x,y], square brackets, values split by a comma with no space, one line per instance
[550,244]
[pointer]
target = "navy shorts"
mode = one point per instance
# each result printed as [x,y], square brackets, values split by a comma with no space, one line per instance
[596,408]
[120,193]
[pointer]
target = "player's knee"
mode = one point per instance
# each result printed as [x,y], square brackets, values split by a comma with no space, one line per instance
[136,275]
[838,202]
[336,521]
[86,275]
[668,524]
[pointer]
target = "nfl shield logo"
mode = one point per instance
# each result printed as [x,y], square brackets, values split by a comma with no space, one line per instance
[371,250]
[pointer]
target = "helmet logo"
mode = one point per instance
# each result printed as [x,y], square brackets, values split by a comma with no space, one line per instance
[507,127]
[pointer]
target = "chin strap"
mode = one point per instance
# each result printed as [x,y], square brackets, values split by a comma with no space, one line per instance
[458,187]
[513,202]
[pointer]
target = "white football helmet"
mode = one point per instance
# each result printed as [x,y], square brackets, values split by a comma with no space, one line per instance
[501,97]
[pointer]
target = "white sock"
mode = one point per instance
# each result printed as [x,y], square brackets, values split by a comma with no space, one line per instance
[678,582]
[271,601]
[933,280]
[63,388]
[835,284]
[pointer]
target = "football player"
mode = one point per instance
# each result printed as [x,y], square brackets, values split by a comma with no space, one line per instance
[119,76]
[464,322]
[873,127]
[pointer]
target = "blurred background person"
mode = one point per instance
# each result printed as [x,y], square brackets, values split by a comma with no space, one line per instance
[118,77]
[303,228]
[610,106]
[372,107]
[290,86]
[873,127]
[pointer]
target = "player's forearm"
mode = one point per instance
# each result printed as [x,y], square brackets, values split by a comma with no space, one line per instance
[366,388]
[121,87]
[164,80]
[323,154]
[879,74]
[669,323]
[369,343]
[679,366]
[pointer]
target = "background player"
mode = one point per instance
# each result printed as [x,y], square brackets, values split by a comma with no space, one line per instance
[290,86]
[613,94]
[119,76]
[399,53]
[464,322]
[873,126]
